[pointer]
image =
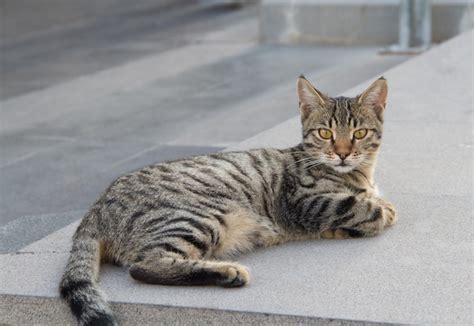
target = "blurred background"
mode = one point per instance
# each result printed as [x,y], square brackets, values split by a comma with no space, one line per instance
[92,89]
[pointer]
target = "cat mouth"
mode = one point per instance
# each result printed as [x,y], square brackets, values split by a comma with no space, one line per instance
[344,164]
[343,167]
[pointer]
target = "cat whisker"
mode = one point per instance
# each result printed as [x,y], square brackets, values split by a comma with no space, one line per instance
[312,164]
[299,161]
[300,152]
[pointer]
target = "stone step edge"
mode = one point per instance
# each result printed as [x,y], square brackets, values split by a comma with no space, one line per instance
[38,310]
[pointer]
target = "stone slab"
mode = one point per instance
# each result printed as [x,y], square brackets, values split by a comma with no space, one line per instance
[70,184]
[35,311]
[325,279]
[21,18]
[418,272]
[27,229]
[53,47]
[126,78]
[440,163]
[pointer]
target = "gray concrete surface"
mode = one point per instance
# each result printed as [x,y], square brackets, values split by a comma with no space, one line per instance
[209,87]
[418,272]
[47,42]
[164,315]
[353,22]
[22,18]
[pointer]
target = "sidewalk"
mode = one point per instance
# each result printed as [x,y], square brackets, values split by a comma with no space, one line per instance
[193,87]
[418,272]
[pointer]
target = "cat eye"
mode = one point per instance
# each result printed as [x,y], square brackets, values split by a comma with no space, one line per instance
[361,133]
[325,133]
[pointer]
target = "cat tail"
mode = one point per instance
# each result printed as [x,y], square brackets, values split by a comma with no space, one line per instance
[79,283]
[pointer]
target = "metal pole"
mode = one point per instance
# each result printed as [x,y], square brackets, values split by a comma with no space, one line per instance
[423,23]
[404,25]
[414,30]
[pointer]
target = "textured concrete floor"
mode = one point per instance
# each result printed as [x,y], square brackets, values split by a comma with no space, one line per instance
[50,41]
[112,94]
[417,272]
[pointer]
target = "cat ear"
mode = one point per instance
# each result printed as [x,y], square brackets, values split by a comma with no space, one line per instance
[309,97]
[375,96]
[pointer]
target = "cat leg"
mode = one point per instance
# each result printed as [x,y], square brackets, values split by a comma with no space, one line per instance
[179,271]
[244,231]
[358,217]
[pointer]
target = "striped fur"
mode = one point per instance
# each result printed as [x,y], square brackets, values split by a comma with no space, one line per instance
[178,222]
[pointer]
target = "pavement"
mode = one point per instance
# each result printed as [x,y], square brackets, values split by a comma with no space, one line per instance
[231,95]
[76,117]
[51,41]
[418,272]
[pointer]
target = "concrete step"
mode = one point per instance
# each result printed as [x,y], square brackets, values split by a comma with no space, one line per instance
[353,22]
[419,272]
[215,90]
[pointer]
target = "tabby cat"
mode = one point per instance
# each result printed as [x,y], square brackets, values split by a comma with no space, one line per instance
[176,223]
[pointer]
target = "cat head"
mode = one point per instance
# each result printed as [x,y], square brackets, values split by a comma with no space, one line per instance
[342,132]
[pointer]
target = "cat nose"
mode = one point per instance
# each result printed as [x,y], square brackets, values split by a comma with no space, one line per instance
[342,149]
[343,155]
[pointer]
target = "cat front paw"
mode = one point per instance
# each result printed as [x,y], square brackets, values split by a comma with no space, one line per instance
[390,216]
[389,212]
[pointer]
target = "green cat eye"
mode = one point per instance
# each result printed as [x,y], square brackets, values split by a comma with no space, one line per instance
[325,133]
[361,133]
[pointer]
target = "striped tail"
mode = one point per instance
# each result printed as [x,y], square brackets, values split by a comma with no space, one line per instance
[79,284]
